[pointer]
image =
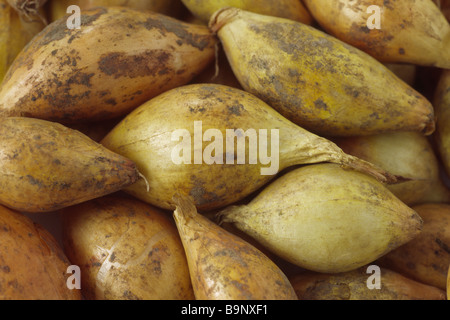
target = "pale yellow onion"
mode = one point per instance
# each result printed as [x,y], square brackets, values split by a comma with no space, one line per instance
[154,135]
[58,8]
[316,80]
[117,60]
[222,265]
[289,9]
[427,257]
[15,33]
[324,218]
[126,250]
[406,154]
[34,266]
[46,166]
[410,31]
[355,285]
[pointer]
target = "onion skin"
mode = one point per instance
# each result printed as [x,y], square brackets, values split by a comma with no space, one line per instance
[427,257]
[58,8]
[126,250]
[29,9]
[317,81]
[46,166]
[145,136]
[352,285]
[442,107]
[406,154]
[34,266]
[222,265]
[120,58]
[448,284]
[411,31]
[15,33]
[289,9]
[326,219]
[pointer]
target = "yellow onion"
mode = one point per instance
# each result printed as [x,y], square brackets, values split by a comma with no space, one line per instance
[15,32]
[409,31]
[289,9]
[117,60]
[406,154]
[126,250]
[165,138]
[46,166]
[222,265]
[316,80]
[354,285]
[427,257]
[33,265]
[324,218]
[442,107]
[58,8]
